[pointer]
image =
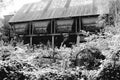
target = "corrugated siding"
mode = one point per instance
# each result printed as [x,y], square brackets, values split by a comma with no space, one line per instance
[60,8]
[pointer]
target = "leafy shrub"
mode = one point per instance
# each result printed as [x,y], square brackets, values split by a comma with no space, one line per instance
[10,71]
[63,76]
[89,57]
[110,73]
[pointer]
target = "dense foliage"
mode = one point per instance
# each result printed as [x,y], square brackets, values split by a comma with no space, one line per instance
[110,73]
[88,61]
[96,59]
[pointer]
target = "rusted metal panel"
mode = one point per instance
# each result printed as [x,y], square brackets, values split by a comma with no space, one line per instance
[64,25]
[40,27]
[90,20]
[64,22]
[41,23]
[23,25]
[89,23]
[21,28]
[40,30]
[60,8]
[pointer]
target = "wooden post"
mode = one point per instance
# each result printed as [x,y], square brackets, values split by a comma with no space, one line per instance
[78,39]
[80,22]
[53,36]
[78,36]
[30,33]
[51,27]
[54,26]
[53,41]
[76,25]
[14,29]
[31,39]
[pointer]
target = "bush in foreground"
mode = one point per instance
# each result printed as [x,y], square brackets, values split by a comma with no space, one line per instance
[110,73]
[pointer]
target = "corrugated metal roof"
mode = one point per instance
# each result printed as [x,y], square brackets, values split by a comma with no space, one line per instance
[47,9]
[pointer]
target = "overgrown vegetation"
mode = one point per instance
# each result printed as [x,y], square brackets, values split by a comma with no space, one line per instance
[96,59]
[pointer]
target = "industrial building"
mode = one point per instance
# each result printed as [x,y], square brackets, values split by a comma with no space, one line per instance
[50,20]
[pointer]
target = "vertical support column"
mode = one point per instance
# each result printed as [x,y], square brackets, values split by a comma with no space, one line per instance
[30,33]
[52,31]
[29,27]
[31,39]
[80,23]
[78,39]
[14,29]
[78,35]
[54,26]
[53,37]
[76,30]
[51,27]
[76,25]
